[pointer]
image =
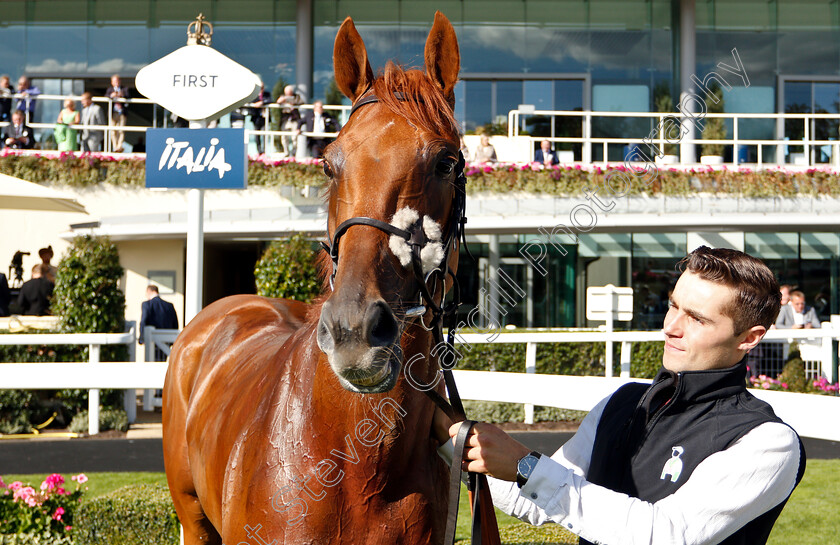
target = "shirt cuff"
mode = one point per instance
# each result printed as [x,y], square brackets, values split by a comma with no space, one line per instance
[545,482]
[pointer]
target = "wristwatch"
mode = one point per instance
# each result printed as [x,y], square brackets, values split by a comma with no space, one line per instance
[525,466]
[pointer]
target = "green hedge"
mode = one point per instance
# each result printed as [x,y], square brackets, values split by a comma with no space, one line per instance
[127,516]
[287,270]
[92,170]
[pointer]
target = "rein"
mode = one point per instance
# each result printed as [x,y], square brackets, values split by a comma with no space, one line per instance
[415,237]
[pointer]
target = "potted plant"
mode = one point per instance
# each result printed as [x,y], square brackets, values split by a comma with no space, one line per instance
[715,129]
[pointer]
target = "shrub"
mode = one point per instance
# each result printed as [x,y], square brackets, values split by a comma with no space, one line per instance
[715,128]
[793,373]
[109,419]
[492,411]
[129,515]
[44,515]
[287,270]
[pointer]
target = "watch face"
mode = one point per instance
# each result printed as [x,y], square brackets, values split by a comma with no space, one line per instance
[527,465]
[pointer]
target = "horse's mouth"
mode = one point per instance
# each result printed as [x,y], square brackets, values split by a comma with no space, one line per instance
[379,376]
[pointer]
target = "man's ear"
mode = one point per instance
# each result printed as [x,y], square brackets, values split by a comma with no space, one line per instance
[752,337]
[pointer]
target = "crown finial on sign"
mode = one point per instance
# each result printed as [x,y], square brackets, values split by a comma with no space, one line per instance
[196,33]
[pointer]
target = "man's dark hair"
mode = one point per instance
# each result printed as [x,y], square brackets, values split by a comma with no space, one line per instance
[758,299]
[152,287]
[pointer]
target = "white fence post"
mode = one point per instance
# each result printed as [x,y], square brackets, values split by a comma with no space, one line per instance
[130,396]
[93,396]
[626,349]
[149,344]
[530,367]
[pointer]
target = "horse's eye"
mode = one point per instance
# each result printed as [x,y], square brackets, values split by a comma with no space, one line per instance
[444,167]
[328,170]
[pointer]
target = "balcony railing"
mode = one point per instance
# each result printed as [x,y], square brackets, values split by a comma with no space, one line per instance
[653,140]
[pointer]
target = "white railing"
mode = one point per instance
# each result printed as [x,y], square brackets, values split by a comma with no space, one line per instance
[810,415]
[810,145]
[92,375]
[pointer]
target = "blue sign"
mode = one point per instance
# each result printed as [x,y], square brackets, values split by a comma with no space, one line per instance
[196,158]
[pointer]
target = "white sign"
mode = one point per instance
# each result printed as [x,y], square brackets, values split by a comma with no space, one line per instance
[198,83]
[601,301]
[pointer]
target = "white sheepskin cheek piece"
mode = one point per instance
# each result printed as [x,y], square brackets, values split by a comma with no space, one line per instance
[431,254]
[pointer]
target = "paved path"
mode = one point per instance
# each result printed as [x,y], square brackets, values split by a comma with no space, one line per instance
[77,455]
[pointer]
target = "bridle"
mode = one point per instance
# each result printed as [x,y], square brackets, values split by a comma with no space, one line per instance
[416,239]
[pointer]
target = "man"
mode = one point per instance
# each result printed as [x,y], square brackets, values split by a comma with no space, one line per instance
[693,458]
[318,122]
[18,135]
[34,296]
[546,155]
[156,312]
[796,315]
[26,103]
[49,271]
[119,108]
[289,118]
[258,114]
[92,114]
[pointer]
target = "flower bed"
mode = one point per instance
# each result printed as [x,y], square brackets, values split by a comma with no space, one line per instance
[39,516]
[91,169]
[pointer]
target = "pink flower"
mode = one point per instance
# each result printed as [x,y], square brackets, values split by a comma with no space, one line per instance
[60,491]
[766,385]
[58,513]
[68,528]
[2,484]
[31,501]
[16,485]
[81,478]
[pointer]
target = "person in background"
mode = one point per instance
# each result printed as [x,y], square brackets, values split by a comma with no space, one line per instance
[784,289]
[796,315]
[692,458]
[290,119]
[92,114]
[34,297]
[119,109]
[18,135]
[465,151]
[317,121]
[26,103]
[6,93]
[157,313]
[65,136]
[5,295]
[545,154]
[46,254]
[258,114]
[485,152]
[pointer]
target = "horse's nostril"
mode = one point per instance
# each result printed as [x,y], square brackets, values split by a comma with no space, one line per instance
[380,325]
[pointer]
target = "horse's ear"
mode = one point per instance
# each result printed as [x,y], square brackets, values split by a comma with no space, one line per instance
[443,60]
[352,70]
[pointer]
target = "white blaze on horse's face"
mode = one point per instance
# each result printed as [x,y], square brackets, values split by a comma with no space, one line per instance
[432,252]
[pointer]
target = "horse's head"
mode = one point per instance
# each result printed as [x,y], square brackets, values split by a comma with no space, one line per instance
[395,203]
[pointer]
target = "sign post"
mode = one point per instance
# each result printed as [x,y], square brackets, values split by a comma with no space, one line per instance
[198,84]
[609,303]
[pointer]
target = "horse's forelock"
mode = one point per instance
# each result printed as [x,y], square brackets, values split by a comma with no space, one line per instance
[422,103]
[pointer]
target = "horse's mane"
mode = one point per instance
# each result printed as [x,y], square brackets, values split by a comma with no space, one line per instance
[422,102]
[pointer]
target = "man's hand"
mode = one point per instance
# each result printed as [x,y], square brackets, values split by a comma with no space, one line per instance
[491,451]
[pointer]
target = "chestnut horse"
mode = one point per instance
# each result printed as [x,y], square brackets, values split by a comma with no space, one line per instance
[290,423]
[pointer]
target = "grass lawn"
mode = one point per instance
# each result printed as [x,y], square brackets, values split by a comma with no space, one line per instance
[811,516]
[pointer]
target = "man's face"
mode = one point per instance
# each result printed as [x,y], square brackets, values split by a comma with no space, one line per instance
[86,101]
[318,107]
[17,119]
[115,81]
[798,304]
[785,295]
[545,145]
[697,334]
[23,83]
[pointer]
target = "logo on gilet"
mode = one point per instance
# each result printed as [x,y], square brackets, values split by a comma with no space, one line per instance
[673,466]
